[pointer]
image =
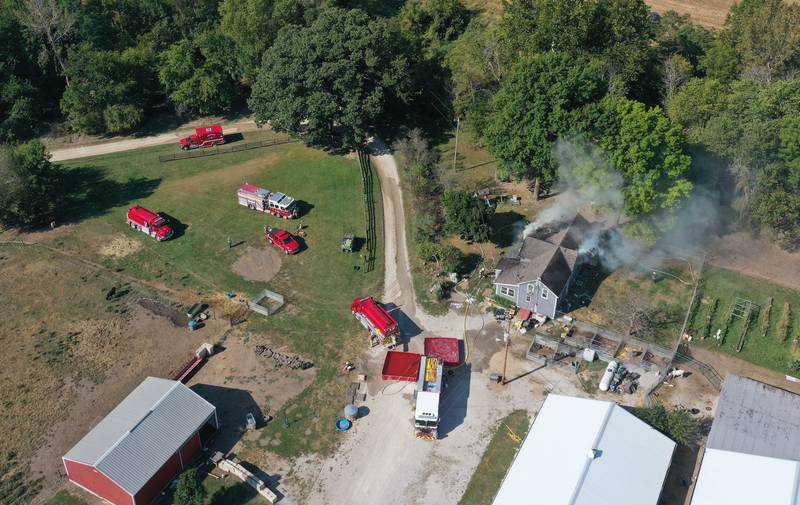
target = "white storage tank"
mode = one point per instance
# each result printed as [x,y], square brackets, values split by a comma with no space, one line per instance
[606,380]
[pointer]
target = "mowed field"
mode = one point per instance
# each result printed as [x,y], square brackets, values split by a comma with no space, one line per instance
[710,13]
[70,355]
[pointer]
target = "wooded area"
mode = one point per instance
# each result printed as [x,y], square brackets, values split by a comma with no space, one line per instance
[672,106]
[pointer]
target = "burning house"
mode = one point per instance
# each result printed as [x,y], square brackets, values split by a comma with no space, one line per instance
[538,277]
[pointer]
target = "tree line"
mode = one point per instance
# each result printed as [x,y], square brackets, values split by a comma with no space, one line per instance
[662,99]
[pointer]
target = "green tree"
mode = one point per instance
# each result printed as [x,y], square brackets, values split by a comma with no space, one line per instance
[539,101]
[334,80]
[444,257]
[252,26]
[648,151]
[615,31]
[104,95]
[467,216]
[199,74]
[676,424]
[476,69]
[676,34]
[777,203]
[190,490]
[29,192]
[433,22]
[721,61]
[766,34]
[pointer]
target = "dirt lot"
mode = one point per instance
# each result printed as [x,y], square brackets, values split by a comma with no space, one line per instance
[52,391]
[757,257]
[259,265]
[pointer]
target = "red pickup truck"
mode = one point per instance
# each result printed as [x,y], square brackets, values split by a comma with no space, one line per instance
[282,239]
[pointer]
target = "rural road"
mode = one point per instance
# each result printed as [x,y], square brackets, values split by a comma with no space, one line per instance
[398,286]
[115,146]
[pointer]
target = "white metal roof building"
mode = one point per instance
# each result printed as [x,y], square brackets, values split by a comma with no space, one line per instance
[753,451]
[149,435]
[587,452]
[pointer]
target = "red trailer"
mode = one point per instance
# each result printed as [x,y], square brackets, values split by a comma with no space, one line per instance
[276,203]
[446,349]
[205,136]
[401,366]
[149,222]
[373,316]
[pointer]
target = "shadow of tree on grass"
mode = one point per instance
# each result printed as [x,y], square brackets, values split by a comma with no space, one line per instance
[88,193]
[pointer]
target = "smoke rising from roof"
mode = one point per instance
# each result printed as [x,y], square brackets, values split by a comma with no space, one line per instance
[586,179]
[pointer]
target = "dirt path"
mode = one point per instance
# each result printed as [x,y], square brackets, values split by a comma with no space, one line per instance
[757,258]
[126,144]
[725,364]
[398,286]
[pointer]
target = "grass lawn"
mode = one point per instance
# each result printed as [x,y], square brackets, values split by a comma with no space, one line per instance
[199,195]
[485,482]
[614,296]
[225,491]
[770,337]
[64,498]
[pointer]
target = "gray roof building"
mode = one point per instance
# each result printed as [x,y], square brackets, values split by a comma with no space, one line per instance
[753,450]
[541,271]
[150,426]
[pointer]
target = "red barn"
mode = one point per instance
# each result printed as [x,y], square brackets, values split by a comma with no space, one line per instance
[134,453]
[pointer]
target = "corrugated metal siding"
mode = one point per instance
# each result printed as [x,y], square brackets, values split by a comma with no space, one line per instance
[95,482]
[154,431]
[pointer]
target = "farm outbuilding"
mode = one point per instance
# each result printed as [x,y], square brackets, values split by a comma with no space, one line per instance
[138,448]
[587,452]
[753,450]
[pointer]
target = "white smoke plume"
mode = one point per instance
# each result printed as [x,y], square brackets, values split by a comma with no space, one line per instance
[585,178]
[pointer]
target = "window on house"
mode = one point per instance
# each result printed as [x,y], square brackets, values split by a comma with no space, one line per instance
[544,294]
[529,293]
[507,291]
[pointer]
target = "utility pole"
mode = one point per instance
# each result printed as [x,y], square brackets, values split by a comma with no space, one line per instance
[455,151]
[507,338]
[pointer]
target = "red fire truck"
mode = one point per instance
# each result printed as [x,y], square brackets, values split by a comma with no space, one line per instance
[147,221]
[204,136]
[264,200]
[383,328]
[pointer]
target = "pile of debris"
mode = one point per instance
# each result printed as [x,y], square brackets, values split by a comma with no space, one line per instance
[293,362]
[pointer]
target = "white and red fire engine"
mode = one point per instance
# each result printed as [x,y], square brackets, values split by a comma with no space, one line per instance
[205,136]
[264,200]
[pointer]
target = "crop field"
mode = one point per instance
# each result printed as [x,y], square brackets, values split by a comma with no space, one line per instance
[759,317]
[83,354]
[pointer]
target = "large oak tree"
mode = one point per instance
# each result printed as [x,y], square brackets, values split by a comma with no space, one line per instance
[333,80]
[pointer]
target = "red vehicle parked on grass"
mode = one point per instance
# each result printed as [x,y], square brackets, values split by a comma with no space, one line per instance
[147,221]
[383,328]
[282,239]
[204,136]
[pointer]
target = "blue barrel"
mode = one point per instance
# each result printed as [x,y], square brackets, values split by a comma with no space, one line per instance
[343,424]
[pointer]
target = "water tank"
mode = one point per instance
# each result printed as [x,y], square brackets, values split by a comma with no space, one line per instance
[606,380]
[350,412]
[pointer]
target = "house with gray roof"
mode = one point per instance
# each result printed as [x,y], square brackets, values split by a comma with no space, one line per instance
[131,455]
[753,451]
[538,276]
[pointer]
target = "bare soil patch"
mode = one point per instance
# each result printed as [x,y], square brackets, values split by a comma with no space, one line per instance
[757,257]
[258,265]
[120,247]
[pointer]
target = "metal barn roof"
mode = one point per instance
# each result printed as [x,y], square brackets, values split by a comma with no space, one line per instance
[753,450]
[587,452]
[133,441]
